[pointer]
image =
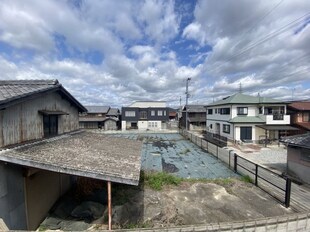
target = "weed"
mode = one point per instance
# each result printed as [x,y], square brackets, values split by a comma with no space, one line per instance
[156,180]
[247,179]
[146,224]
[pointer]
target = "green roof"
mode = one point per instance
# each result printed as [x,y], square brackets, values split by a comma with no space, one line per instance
[247,119]
[240,98]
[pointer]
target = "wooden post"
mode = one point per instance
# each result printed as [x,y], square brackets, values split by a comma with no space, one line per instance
[109,205]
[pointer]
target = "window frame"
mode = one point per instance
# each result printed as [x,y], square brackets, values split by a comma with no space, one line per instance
[130,113]
[143,114]
[210,110]
[226,128]
[160,113]
[242,113]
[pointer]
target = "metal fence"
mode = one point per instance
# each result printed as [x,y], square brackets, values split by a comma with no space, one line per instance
[271,182]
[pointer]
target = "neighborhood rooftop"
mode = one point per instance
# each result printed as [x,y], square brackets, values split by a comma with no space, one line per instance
[298,140]
[83,154]
[97,109]
[16,91]
[196,108]
[240,98]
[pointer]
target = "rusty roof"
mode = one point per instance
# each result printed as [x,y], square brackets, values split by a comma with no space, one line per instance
[82,153]
[300,105]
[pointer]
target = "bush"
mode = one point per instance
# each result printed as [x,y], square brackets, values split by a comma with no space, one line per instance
[156,180]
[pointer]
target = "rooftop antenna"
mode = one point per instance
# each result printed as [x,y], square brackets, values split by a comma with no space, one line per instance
[240,87]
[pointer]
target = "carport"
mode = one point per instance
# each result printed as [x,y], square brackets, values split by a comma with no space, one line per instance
[82,154]
[275,128]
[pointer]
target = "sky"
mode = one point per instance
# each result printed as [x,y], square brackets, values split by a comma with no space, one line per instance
[117,52]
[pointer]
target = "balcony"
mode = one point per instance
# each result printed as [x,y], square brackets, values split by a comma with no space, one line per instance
[275,119]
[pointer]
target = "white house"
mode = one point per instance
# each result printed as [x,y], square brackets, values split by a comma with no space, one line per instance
[246,118]
[145,115]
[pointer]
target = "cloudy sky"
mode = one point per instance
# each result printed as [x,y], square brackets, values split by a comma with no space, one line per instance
[116,52]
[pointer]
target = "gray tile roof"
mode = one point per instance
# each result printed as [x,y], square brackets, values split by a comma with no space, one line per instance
[240,98]
[196,108]
[97,109]
[10,90]
[15,91]
[85,154]
[298,140]
[113,112]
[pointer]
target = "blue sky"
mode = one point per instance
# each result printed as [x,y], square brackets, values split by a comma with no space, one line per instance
[116,52]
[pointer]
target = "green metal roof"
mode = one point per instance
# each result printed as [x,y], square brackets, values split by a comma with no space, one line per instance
[240,98]
[247,119]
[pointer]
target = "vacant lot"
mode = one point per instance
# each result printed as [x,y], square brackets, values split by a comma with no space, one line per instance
[169,193]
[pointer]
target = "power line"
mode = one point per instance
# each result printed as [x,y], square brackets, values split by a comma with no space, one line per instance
[264,39]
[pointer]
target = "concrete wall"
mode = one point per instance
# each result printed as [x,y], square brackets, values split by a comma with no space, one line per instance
[43,189]
[296,166]
[110,124]
[23,122]
[12,197]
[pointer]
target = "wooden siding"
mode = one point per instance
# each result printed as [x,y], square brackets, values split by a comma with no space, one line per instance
[23,122]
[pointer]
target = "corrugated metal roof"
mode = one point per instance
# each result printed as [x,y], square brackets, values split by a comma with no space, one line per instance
[247,119]
[240,98]
[97,109]
[16,91]
[300,105]
[298,140]
[85,154]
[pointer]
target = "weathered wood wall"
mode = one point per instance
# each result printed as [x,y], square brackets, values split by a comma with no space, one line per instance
[23,122]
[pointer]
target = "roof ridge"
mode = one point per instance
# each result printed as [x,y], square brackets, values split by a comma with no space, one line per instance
[30,82]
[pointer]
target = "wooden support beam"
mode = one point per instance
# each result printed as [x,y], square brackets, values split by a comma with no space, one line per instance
[109,205]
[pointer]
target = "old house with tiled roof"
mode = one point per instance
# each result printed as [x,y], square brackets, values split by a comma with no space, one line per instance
[298,156]
[41,148]
[100,117]
[196,117]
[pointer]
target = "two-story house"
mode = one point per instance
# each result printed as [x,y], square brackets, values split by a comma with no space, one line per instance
[100,117]
[247,118]
[41,148]
[196,117]
[145,115]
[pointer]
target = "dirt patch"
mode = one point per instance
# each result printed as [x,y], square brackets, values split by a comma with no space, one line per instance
[167,167]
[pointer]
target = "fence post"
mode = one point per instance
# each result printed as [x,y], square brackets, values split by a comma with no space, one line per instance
[207,145]
[256,174]
[217,152]
[288,192]
[229,158]
[235,163]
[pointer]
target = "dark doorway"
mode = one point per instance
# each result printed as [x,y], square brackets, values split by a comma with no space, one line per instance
[50,125]
[246,133]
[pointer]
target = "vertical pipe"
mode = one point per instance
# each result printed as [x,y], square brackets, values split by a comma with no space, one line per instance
[109,205]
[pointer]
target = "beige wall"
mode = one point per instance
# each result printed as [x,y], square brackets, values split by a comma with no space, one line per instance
[43,189]
[22,122]
[296,166]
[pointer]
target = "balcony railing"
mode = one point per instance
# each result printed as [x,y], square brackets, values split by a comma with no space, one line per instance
[278,117]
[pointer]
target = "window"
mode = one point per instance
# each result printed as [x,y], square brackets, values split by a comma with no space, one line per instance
[130,113]
[50,125]
[153,113]
[226,128]
[225,110]
[210,126]
[143,115]
[164,112]
[305,117]
[215,111]
[242,110]
[210,111]
[160,113]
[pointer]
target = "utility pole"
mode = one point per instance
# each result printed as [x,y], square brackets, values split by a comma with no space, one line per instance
[187,96]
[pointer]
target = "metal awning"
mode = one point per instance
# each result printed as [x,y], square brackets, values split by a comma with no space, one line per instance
[277,127]
[52,112]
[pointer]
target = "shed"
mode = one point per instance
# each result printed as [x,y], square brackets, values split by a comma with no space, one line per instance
[79,153]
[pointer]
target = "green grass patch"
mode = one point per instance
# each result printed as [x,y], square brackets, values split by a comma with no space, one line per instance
[157,180]
[146,224]
[246,179]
